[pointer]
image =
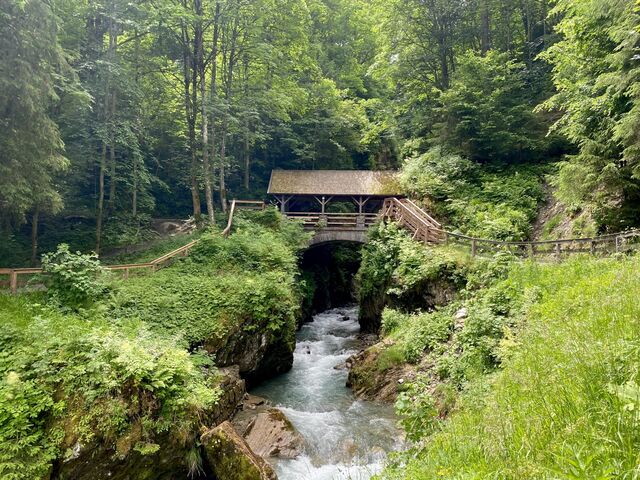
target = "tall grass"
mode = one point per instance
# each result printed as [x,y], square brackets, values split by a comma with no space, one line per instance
[566,405]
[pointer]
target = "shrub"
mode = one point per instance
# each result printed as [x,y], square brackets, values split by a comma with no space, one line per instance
[494,201]
[417,409]
[75,279]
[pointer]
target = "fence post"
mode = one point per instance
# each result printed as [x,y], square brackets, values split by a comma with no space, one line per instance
[617,243]
[474,248]
[592,247]
[13,281]
[558,249]
[531,251]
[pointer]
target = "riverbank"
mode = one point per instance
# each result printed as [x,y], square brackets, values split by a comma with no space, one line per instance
[529,370]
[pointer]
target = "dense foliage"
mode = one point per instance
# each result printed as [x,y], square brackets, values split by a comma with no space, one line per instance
[127,370]
[558,407]
[123,110]
[500,202]
[595,72]
[248,278]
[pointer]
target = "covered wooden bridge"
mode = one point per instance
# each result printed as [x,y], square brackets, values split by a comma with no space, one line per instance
[339,205]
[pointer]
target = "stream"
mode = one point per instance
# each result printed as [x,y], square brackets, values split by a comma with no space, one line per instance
[345,438]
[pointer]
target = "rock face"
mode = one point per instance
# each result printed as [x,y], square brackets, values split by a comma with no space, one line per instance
[267,430]
[96,461]
[233,389]
[230,458]
[424,295]
[258,356]
[120,461]
[370,382]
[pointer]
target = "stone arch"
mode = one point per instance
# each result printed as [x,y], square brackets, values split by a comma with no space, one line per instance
[329,236]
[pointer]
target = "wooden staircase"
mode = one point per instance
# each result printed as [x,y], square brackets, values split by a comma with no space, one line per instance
[410,216]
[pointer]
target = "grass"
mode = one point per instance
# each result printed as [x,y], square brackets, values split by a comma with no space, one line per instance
[566,403]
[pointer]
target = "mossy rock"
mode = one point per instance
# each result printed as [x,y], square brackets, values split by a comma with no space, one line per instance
[230,457]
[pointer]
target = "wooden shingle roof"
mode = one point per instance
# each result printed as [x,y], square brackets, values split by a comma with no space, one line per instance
[334,182]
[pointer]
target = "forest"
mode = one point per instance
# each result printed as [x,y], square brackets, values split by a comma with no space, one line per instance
[508,121]
[114,112]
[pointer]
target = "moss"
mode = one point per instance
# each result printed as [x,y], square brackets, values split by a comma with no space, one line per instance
[230,457]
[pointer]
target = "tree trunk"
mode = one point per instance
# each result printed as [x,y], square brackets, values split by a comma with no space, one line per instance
[113,41]
[112,155]
[214,82]
[247,157]
[246,149]
[34,236]
[136,158]
[214,92]
[485,39]
[225,123]
[189,107]
[99,214]
[204,127]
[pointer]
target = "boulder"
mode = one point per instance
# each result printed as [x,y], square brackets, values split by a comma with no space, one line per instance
[259,357]
[460,317]
[271,434]
[267,430]
[230,458]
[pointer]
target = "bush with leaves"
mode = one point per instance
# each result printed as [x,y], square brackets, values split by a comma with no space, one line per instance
[96,381]
[75,279]
[498,201]
[417,409]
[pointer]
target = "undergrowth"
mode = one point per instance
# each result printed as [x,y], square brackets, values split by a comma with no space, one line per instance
[536,378]
[498,201]
[122,370]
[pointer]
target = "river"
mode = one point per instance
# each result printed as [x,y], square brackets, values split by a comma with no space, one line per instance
[345,438]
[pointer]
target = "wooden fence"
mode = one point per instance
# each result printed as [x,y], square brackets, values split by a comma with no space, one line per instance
[426,229]
[18,277]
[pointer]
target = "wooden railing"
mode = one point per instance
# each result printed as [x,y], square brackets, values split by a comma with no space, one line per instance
[413,218]
[334,221]
[14,274]
[426,229]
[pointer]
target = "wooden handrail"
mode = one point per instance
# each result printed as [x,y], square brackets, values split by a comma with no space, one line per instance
[153,265]
[425,228]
